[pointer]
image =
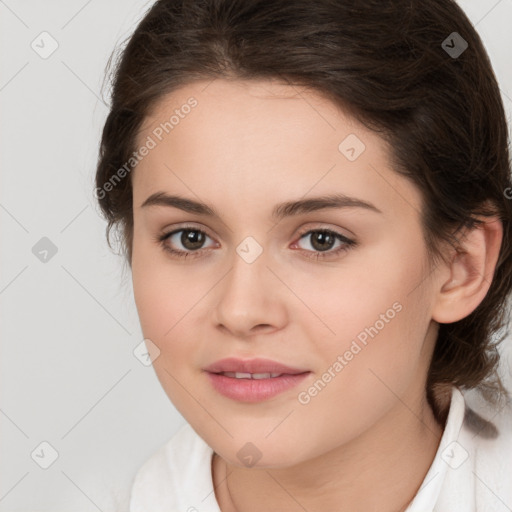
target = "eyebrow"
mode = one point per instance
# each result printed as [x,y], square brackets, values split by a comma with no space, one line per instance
[286,209]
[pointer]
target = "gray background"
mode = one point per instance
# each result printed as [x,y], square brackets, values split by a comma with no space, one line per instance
[69,325]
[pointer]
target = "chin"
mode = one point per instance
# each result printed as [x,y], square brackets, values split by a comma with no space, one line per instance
[261,455]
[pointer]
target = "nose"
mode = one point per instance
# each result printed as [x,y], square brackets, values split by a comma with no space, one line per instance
[250,299]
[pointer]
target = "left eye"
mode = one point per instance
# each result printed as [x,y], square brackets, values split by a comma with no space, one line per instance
[323,240]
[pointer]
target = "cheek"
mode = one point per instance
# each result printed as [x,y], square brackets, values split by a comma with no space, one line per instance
[165,298]
[376,357]
[373,315]
[169,298]
[163,290]
[371,293]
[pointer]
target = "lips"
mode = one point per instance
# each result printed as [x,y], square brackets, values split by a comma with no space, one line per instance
[253,380]
[252,368]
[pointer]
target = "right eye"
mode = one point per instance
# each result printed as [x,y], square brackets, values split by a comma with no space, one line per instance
[192,239]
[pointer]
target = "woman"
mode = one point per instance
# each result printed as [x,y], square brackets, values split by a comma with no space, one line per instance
[312,199]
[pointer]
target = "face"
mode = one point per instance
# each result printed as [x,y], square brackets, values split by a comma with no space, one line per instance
[341,292]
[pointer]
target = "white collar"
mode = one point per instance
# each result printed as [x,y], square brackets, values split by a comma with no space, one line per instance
[448,453]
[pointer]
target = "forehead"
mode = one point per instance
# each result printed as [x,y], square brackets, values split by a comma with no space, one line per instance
[263,140]
[252,112]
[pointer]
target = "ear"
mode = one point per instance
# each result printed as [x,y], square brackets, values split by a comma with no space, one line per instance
[469,275]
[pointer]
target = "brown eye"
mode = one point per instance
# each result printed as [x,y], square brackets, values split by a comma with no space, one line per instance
[323,240]
[190,239]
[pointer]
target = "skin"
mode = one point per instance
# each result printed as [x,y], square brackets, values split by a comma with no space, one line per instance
[366,441]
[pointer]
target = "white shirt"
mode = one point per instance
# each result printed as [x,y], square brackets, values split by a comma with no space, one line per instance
[471,472]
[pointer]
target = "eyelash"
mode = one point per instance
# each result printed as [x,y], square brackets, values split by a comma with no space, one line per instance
[317,255]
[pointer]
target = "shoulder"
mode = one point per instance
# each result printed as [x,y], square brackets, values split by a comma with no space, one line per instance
[474,460]
[173,476]
[487,427]
[486,435]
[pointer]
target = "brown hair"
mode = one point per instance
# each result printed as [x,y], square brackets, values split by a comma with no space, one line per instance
[398,68]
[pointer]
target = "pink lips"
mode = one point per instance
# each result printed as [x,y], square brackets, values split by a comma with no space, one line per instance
[253,389]
[258,365]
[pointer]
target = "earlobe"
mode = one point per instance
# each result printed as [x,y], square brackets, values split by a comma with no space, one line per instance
[470,272]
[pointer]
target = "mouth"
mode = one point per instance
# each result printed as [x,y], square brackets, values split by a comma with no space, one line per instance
[257,376]
[256,366]
[253,380]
